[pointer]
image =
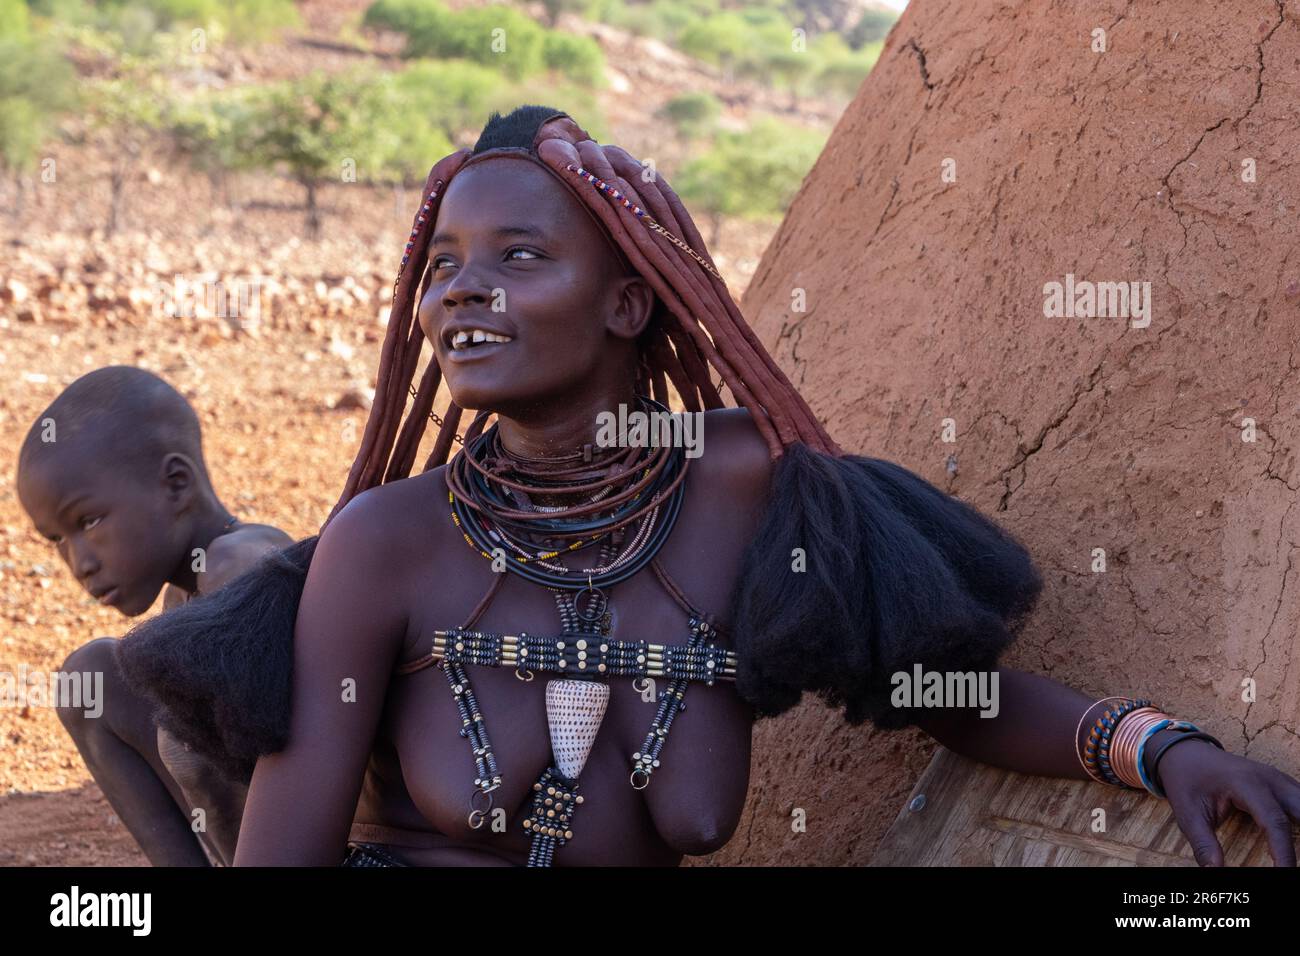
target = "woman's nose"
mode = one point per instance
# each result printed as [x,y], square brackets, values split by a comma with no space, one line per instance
[465,286]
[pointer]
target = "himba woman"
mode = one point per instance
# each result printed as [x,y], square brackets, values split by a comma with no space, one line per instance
[549,651]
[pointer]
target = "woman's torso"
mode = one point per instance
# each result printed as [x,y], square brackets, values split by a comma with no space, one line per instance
[421,770]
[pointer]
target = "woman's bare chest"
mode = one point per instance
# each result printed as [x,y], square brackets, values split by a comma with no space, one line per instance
[428,717]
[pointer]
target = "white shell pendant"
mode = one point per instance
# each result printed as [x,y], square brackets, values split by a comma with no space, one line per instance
[574,709]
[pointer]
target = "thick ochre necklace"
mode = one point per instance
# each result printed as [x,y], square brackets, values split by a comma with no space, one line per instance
[642,486]
[626,504]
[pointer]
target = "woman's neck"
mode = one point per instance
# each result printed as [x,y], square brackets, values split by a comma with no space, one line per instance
[555,430]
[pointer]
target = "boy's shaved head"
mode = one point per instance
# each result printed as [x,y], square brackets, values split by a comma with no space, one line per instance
[118,414]
[112,473]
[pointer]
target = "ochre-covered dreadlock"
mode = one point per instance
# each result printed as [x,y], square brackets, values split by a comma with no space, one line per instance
[699,324]
[897,572]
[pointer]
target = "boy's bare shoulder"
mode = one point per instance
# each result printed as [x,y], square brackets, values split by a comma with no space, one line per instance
[233,553]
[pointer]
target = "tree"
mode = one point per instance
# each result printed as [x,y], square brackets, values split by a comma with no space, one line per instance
[126,112]
[321,128]
[753,174]
[691,114]
[448,96]
[722,40]
[37,85]
[211,131]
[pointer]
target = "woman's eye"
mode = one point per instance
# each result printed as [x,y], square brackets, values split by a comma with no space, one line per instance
[88,523]
[436,262]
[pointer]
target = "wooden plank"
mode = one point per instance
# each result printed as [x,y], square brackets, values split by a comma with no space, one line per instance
[972,814]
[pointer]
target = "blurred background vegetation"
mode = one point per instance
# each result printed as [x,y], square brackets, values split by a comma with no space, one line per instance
[151,81]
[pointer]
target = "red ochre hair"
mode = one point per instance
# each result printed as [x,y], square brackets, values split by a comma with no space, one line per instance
[699,325]
[859,569]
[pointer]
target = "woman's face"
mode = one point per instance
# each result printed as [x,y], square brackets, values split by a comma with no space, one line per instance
[518,260]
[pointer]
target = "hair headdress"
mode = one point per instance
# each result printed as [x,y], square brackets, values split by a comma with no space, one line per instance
[896,573]
[699,325]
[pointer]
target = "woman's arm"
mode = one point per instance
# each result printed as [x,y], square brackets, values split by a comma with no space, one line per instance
[1037,731]
[1033,732]
[350,625]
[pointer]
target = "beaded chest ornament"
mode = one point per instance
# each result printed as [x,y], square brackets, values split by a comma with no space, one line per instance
[583,657]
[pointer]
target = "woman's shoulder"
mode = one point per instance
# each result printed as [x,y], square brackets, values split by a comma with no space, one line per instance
[734,452]
[394,520]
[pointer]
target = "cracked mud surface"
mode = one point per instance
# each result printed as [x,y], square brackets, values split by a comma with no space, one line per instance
[925,302]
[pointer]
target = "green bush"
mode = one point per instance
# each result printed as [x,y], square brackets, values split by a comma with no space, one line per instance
[723,40]
[499,37]
[872,28]
[752,174]
[691,114]
[425,108]
[662,19]
[239,20]
[578,58]
[14,22]
[451,96]
[37,84]
[212,130]
[404,16]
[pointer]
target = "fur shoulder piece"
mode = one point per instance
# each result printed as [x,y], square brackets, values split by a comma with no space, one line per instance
[217,669]
[894,573]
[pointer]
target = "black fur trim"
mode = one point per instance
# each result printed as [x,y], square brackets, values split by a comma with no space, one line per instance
[218,669]
[897,573]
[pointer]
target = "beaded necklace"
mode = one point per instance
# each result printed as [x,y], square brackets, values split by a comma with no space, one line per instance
[582,655]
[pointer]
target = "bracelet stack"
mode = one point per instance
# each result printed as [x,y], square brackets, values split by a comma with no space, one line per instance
[1115,748]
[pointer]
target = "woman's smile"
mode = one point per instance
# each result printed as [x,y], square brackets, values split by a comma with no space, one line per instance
[475,351]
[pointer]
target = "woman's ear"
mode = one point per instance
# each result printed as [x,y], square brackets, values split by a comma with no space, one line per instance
[634,306]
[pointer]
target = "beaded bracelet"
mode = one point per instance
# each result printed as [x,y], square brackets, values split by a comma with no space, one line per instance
[1097,749]
[1195,733]
[1078,749]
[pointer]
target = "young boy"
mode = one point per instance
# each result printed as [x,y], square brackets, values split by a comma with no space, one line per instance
[112,472]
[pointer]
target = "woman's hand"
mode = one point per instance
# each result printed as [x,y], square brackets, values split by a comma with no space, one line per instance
[1203,783]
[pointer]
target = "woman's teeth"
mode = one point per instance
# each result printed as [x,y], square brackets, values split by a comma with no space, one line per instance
[467,338]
